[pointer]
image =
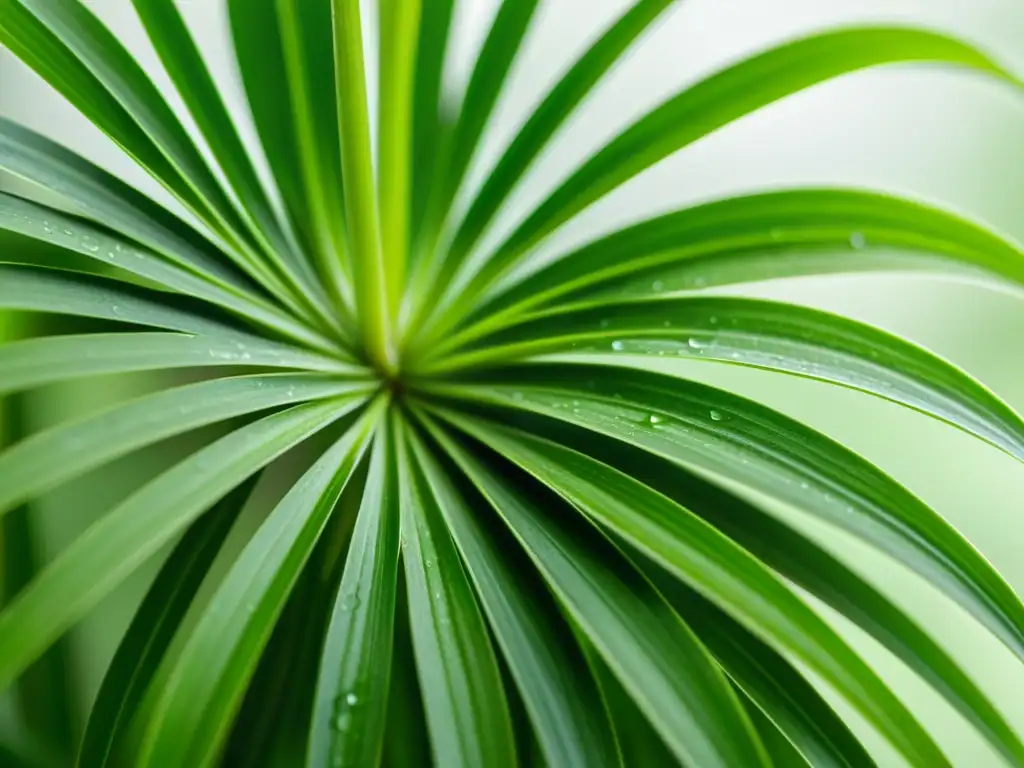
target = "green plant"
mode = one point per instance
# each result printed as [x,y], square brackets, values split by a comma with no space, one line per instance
[516,541]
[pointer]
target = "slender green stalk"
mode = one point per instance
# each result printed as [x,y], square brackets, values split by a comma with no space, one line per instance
[368,264]
[400,21]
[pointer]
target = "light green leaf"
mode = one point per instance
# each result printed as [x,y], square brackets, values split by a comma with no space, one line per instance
[196,697]
[762,334]
[372,268]
[490,72]
[465,703]
[45,696]
[456,144]
[43,460]
[756,237]
[550,672]
[307,47]
[715,566]
[134,530]
[726,96]
[351,700]
[656,656]
[734,440]
[35,362]
[708,105]
[153,628]
[399,32]
[574,86]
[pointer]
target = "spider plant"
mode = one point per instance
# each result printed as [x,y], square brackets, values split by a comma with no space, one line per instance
[511,543]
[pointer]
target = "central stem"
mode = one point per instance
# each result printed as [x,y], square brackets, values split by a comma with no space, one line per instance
[368,265]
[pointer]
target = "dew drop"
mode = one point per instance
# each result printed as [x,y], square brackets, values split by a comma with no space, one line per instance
[858,241]
[605,323]
[618,346]
[655,420]
[342,712]
[351,699]
[695,343]
[90,243]
[517,395]
[68,232]
[667,324]
[716,415]
[350,602]
[658,285]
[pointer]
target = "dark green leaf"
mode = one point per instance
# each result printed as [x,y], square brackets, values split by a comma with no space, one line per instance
[770,682]
[153,627]
[762,334]
[184,63]
[427,122]
[195,698]
[549,671]
[285,53]
[66,233]
[466,710]
[718,568]
[69,47]
[46,695]
[656,656]
[105,199]
[738,441]
[351,703]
